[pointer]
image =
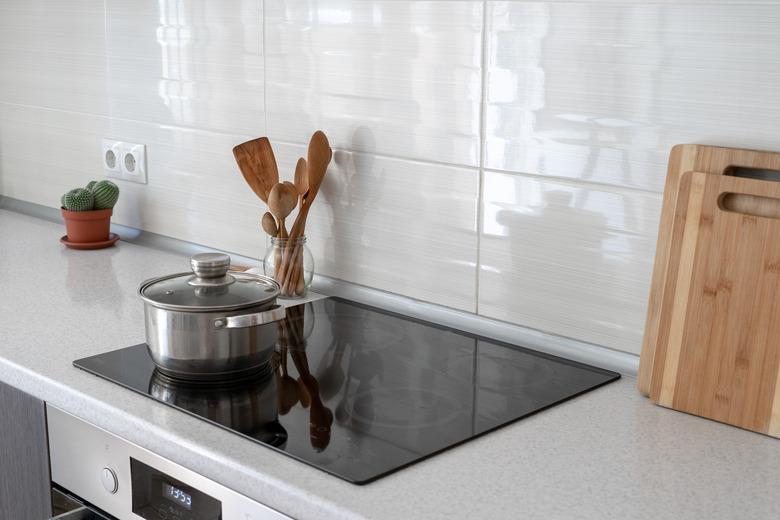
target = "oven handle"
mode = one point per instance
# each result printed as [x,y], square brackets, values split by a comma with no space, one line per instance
[82,513]
[76,509]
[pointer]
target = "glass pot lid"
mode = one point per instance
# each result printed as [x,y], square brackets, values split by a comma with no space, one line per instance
[209,287]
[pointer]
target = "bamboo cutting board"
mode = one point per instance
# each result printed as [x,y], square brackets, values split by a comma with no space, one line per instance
[721,352]
[686,157]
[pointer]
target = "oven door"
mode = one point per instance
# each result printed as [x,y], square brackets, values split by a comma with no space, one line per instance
[66,506]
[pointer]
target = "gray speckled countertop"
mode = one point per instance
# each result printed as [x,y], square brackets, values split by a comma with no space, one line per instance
[607,454]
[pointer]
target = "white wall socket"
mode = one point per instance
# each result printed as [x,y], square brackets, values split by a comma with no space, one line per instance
[126,161]
[112,154]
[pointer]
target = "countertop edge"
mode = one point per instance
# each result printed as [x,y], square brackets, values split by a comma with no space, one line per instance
[277,494]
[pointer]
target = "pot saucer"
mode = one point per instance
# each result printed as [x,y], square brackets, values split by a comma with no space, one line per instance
[112,238]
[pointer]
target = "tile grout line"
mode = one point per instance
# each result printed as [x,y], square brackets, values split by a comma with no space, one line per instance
[266,239]
[541,177]
[107,75]
[265,68]
[602,186]
[482,146]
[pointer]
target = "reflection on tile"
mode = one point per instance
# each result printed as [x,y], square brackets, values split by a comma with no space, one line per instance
[408,71]
[228,32]
[211,97]
[402,226]
[569,258]
[600,91]
[195,64]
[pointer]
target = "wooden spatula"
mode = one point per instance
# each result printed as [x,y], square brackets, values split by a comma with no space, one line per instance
[257,163]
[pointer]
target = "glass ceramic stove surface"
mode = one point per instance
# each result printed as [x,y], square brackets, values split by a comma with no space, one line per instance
[366,392]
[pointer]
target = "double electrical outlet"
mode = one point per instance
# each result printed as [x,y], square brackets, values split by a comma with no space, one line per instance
[126,161]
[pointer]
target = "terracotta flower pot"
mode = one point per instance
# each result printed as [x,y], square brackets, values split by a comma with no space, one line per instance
[87,226]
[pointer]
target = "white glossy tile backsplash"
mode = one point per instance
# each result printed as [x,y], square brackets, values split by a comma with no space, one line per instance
[194,63]
[567,256]
[52,54]
[600,91]
[504,158]
[400,78]
[402,226]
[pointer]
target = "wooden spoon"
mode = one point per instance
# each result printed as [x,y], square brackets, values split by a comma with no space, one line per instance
[301,179]
[257,163]
[281,202]
[319,156]
[293,189]
[269,224]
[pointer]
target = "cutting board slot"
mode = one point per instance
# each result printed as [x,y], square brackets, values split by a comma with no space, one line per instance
[762,174]
[753,205]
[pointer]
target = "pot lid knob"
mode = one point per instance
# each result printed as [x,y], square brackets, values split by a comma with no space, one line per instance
[210,265]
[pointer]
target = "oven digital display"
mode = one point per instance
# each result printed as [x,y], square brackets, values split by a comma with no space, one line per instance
[157,495]
[176,495]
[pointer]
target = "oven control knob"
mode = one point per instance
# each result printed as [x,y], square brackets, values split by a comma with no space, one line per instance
[109,480]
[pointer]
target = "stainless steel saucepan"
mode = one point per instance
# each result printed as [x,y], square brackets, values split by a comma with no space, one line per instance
[209,323]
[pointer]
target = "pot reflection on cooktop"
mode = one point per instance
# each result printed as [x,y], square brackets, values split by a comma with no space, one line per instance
[360,392]
[247,407]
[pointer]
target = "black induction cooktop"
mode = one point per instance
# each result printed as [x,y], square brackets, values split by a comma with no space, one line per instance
[359,392]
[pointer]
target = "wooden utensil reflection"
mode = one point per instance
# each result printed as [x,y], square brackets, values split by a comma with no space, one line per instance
[288,394]
[306,388]
[320,416]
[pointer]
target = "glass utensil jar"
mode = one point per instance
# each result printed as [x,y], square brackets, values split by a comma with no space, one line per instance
[290,262]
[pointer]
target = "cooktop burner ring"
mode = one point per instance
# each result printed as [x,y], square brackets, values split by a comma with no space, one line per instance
[396,396]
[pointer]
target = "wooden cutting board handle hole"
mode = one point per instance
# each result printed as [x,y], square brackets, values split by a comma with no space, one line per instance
[753,205]
[747,172]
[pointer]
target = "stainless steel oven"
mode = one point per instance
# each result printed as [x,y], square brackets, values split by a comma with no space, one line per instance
[104,477]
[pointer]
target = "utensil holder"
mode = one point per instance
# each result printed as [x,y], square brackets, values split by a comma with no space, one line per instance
[290,262]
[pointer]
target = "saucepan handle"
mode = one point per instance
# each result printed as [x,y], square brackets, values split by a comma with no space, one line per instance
[275,313]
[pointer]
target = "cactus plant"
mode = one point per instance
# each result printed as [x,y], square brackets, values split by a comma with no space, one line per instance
[79,199]
[87,214]
[106,194]
[98,195]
